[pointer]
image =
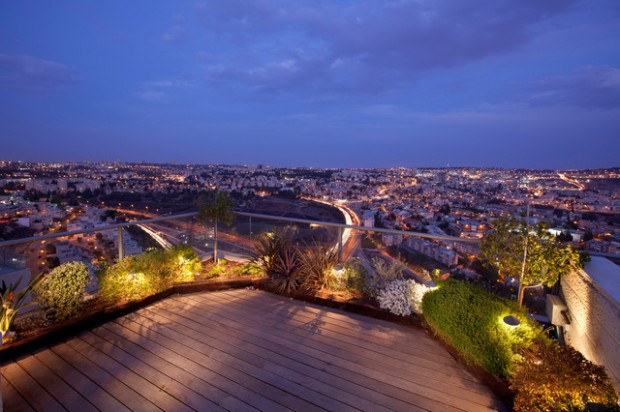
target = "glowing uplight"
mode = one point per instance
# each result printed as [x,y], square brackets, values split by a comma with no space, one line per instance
[511,320]
[136,278]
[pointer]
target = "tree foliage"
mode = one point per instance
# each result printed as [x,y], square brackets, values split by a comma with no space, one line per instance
[547,258]
[215,207]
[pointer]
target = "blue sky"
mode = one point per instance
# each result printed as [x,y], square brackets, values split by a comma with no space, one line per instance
[520,83]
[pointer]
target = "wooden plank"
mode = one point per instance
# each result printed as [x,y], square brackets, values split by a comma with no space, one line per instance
[177,368]
[337,336]
[227,344]
[368,398]
[422,372]
[109,383]
[78,381]
[151,339]
[196,350]
[282,382]
[433,390]
[111,345]
[125,374]
[333,365]
[58,388]
[381,333]
[29,389]
[376,328]
[12,400]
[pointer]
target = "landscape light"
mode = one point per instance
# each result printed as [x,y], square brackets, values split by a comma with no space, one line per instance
[511,321]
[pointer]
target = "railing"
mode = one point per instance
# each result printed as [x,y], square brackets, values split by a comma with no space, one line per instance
[342,229]
[340,226]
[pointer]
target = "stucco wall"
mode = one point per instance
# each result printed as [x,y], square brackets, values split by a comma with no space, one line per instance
[595,314]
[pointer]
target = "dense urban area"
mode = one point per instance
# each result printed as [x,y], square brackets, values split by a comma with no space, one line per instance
[581,208]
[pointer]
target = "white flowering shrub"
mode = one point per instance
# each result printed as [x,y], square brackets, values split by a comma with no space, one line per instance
[415,293]
[394,298]
[402,297]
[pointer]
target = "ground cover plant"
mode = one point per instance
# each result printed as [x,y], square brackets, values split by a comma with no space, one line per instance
[471,320]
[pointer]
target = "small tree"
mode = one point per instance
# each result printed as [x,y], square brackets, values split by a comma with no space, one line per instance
[215,207]
[535,257]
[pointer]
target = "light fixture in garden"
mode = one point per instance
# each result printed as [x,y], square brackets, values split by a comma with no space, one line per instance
[511,320]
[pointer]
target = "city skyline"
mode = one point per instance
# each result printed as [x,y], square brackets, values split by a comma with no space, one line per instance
[313,84]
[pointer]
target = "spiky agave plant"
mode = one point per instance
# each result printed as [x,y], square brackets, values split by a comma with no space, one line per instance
[286,276]
[316,262]
[277,255]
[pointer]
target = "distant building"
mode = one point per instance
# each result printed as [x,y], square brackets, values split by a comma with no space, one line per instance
[369,218]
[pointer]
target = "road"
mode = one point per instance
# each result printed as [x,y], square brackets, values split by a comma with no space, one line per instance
[579,186]
[350,238]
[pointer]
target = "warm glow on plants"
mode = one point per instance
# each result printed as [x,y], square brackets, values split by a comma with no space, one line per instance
[136,279]
[472,320]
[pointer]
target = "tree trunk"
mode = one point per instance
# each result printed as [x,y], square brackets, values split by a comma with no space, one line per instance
[215,259]
[520,294]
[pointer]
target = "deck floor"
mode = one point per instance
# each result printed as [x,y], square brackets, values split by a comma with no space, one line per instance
[243,350]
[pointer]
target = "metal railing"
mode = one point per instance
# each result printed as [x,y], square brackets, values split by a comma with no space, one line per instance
[340,226]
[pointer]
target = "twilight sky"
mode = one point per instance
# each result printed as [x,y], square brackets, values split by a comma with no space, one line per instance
[327,83]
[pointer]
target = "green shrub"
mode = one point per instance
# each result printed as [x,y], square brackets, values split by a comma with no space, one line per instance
[354,275]
[61,292]
[249,269]
[137,277]
[215,272]
[185,263]
[351,278]
[559,378]
[471,320]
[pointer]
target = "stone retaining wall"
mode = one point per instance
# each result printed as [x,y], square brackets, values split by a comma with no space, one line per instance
[594,327]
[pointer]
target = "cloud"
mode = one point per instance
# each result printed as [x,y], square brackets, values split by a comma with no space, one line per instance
[175,35]
[590,87]
[365,46]
[151,96]
[158,91]
[34,75]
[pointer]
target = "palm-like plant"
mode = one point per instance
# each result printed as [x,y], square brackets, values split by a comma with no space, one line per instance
[13,301]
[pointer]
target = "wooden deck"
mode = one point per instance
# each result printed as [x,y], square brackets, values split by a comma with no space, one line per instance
[243,350]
